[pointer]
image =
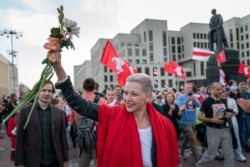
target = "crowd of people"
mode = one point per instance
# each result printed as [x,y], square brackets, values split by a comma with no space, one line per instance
[135,125]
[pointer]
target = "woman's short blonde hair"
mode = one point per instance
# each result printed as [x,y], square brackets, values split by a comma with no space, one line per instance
[144,80]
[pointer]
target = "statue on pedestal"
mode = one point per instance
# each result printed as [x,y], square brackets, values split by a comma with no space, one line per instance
[230,67]
[216,33]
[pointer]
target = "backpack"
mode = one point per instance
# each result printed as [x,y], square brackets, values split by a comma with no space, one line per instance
[86,134]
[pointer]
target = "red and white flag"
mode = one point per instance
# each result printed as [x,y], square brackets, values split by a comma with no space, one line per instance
[111,59]
[222,75]
[174,68]
[201,54]
[241,68]
[221,57]
[244,69]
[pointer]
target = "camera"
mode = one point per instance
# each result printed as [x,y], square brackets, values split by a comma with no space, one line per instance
[190,94]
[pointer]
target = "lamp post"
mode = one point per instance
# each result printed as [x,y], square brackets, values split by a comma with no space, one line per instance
[10,33]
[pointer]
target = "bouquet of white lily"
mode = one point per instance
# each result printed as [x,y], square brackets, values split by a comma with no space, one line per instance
[60,37]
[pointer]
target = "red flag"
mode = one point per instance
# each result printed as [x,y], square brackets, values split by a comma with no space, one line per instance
[127,71]
[111,59]
[175,69]
[221,57]
[241,68]
[201,54]
[244,69]
[247,71]
[109,55]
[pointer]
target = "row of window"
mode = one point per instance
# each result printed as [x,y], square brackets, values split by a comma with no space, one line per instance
[179,40]
[137,52]
[200,36]
[201,44]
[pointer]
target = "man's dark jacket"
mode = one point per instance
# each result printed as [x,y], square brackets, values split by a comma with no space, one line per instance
[29,140]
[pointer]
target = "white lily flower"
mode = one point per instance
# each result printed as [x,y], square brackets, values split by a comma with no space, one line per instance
[71,27]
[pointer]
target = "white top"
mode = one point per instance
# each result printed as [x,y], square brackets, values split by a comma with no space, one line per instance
[231,103]
[112,103]
[146,138]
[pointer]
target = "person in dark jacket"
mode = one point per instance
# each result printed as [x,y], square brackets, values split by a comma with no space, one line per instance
[171,110]
[43,142]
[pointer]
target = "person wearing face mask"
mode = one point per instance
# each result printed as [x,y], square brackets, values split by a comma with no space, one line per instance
[233,89]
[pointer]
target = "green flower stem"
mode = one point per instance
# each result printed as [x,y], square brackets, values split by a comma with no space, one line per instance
[46,74]
[32,108]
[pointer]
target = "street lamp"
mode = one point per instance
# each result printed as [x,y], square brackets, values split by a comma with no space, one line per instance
[11,33]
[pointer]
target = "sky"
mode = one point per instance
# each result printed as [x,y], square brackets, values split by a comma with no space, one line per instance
[97,19]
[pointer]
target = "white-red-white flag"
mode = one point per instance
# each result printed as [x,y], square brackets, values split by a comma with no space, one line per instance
[201,54]
[222,75]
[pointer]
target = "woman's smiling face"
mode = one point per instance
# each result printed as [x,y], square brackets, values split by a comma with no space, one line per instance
[134,98]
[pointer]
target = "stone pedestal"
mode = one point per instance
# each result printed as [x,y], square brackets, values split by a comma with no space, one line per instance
[230,67]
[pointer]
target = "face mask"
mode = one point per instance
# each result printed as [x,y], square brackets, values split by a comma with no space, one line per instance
[233,88]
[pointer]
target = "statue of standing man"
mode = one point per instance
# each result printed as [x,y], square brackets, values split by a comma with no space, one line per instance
[216,33]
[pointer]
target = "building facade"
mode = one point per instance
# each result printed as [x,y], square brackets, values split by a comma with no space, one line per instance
[9,77]
[80,73]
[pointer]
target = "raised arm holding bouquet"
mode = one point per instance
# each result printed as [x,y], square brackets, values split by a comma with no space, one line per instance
[59,38]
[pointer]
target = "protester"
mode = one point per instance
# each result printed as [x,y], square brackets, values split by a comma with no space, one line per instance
[56,102]
[171,110]
[11,132]
[187,102]
[5,109]
[231,103]
[215,114]
[110,97]
[244,104]
[43,142]
[2,108]
[200,127]
[118,93]
[88,94]
[243,117]
[157,106]
[96,90]
[11,105]
[133,134]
